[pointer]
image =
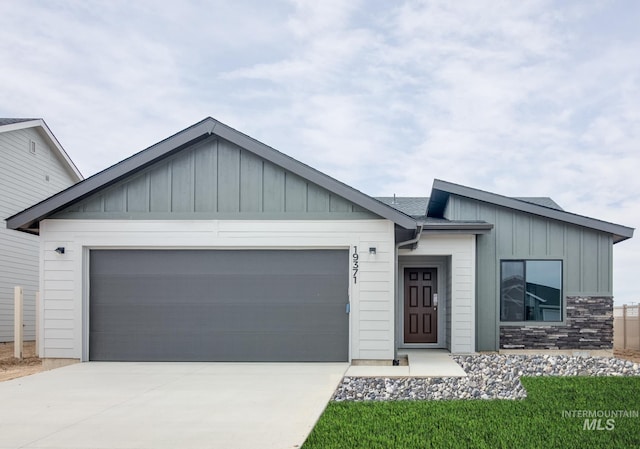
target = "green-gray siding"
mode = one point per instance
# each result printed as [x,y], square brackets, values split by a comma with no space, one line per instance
[586,256]
[214,179]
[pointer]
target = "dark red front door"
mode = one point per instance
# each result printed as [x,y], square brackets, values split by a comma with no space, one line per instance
[420,305]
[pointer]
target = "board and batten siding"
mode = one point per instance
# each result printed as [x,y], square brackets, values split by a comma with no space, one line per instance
[214,179]
[586,255]
[26,178]
[66,290]
[461,307]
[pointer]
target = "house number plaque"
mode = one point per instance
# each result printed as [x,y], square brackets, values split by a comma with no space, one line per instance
[354,264]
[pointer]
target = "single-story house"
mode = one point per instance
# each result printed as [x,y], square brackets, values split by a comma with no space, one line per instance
[33,166]
[213,246]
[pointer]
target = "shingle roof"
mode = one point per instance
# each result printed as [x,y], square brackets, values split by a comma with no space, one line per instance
[11,121]
[415,206]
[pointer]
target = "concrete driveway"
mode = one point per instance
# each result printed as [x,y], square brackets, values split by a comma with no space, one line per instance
[166,405]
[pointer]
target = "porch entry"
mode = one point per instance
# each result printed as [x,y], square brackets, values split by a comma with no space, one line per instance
[420,305]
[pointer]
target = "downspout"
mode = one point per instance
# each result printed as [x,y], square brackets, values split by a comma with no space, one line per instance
[412,242]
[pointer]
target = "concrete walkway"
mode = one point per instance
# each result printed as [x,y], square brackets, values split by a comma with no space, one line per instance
[422,363]
[166,405]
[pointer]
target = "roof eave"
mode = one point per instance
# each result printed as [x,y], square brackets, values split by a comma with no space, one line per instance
[618,231]
[61,152]
[21,125]
[621,238]
[468,228]
[53,141]
[313,175]
[28,219]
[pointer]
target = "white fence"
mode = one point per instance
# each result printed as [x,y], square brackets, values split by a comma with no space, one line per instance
[626,327]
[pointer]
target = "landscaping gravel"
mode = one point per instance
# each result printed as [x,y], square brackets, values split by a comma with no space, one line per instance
[489,376]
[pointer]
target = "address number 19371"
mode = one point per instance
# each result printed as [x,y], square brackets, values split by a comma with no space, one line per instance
[354,264]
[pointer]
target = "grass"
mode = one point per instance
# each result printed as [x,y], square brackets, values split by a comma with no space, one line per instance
[535,422]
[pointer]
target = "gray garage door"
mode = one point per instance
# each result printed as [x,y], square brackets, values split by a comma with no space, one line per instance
[167,305]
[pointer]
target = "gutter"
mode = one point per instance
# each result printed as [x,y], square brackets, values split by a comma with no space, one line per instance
[468,228]
[412,241]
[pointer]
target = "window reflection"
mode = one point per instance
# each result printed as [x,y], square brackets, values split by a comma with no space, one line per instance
[531,290]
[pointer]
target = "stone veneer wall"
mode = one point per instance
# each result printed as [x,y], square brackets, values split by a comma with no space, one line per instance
[588,325]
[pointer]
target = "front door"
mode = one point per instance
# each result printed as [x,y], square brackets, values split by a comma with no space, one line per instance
[420,305]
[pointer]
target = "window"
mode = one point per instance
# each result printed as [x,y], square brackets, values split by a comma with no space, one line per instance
[531,290]
[32,147]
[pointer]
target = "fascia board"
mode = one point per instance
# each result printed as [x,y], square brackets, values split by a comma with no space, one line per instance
[201,130]
[470,227]
[110,175]
[619,232]
[49,136]
[60,150]
[313,175]
[20,125]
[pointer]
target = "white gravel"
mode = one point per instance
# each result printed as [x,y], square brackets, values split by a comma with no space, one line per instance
[489,376]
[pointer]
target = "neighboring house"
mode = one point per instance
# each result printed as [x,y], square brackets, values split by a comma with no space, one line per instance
[213,246]
[33,166]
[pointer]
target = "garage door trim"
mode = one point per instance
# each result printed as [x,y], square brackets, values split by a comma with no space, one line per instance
[241,254]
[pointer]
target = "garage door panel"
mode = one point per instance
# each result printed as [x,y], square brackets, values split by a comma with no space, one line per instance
[218,305]
[223,317]
[243,287]
[184,347]
[206,262]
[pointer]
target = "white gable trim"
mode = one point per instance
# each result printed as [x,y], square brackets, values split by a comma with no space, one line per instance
[48,135]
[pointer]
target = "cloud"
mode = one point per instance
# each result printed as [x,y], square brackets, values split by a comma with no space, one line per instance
[520,98]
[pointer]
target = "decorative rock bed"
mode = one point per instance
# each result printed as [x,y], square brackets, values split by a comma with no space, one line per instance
[489,376]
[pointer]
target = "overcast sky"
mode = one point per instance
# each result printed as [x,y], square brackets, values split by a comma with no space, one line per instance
[520,98]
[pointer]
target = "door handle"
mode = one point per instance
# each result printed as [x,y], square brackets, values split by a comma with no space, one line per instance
[435,300]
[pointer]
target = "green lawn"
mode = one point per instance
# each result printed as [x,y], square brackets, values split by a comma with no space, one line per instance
[535,422]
